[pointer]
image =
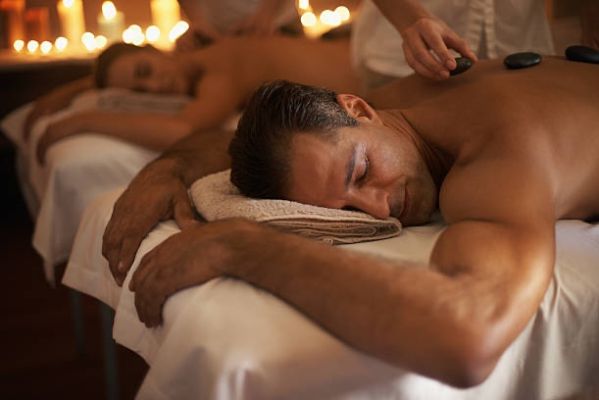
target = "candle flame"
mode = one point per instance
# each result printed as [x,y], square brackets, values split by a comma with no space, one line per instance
[304,4]
[152,33]
[89,41]
[61,43]
[343,13]
[330,18]
[32,46]
[46,47]
[108,10]
[101,41]
[308,19]
[179,29]
[18,45]
[68,3]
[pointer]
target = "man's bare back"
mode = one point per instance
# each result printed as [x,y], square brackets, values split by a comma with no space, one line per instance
[547,115]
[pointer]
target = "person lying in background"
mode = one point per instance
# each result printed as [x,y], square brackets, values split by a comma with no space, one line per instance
[212,20]
[219,78]
[502,154]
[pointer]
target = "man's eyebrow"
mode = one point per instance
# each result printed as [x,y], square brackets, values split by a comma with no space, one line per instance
[351,165]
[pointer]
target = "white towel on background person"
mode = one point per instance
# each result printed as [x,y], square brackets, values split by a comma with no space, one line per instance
[215,197]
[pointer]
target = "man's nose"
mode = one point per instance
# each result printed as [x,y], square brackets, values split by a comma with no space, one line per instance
[373,201]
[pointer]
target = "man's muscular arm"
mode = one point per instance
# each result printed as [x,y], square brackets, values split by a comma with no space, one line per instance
[159,192]
[451,321]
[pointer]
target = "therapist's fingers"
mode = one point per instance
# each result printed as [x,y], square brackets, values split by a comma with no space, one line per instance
[421,55]
[458,44]
[417,66]
[435,42]
[126,257]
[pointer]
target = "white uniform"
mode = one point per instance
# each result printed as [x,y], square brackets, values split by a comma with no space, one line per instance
[492,28]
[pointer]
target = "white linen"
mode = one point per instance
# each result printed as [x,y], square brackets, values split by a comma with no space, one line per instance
[229,340]
[78,168]
[492,28]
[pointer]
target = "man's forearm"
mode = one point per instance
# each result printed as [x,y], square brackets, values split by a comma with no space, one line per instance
[198,155]
[406,315]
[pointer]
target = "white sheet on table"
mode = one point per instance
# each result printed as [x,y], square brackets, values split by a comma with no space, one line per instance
[229,340]
[77,169]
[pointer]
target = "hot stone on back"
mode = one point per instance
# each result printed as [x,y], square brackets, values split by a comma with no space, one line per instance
[462,64]
[582,54]
[522,60]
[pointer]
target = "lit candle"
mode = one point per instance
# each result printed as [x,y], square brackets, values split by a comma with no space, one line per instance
[111,22]
[46,47]
[165,14]
[60,44]
[18,45]
[343,13]
[32,46]
[88,41]
[71,20]
[179,29]
[152,34]
[101,41]
[304,5]
[330,18]
[11,20]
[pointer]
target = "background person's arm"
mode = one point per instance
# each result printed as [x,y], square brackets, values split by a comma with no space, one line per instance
[159,192]
[217,100]
[55,100]
[421,31]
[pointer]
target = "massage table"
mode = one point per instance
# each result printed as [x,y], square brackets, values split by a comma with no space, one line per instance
[229,340]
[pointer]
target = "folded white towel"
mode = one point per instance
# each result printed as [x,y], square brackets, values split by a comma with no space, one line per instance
[215,197]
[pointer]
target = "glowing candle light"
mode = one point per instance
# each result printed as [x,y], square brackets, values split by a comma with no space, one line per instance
[32,46]
[18,45]
[165,15]
[152,34]
[343,13]
[308,19]
[61,43]
[179,29]
[71,19]
[303,4]
[46,47]
[110,21]
[89,41]
[101,41]
[330,18]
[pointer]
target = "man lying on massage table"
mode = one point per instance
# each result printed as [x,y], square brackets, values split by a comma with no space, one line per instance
[221,78]
[503,154]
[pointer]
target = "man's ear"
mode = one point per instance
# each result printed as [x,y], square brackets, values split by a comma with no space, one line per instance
[358,108]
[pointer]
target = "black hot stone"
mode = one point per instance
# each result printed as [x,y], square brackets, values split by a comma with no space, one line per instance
[582,54]
[522,60]
[462,64]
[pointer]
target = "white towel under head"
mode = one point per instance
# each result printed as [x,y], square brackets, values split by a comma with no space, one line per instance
[215,197]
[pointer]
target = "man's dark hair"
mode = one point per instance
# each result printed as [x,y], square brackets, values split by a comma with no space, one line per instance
[277,110]
[112,53]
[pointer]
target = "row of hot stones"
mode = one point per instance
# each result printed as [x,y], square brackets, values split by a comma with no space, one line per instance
[530,59]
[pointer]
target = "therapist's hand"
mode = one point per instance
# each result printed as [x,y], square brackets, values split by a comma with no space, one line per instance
[428,34]
[155,194]
[191,257]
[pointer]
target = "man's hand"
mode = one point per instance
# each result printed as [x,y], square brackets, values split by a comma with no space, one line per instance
[430,33]
[156,194]
[191,257]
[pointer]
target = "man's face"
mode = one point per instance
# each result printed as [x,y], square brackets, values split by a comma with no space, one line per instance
[147,71]
[372,168]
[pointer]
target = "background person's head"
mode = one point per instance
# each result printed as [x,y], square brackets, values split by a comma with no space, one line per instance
[143,69]
[312,146]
